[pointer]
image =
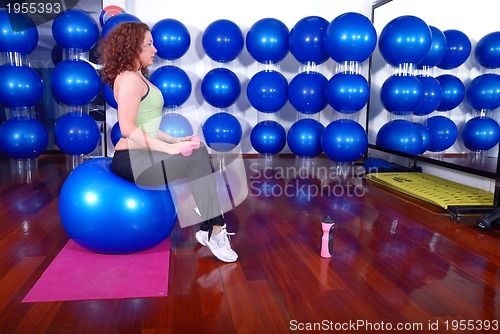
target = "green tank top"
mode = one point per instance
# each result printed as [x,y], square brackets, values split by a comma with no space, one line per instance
[150,112]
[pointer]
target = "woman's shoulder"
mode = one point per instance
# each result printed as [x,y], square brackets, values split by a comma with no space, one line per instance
[128,77]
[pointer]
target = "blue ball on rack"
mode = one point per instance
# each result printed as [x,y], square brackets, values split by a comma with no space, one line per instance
[267,91]
[222,41]
[174,85]
[21,86]
[344,140]
[18,33]
[220,87]
[75,82]
[480,133]
[306,92]
[267,40]
[268,137]
[304,137]
[306,40]
[222,132]
[171,38]
[75,29]
[23,138]
[76,133]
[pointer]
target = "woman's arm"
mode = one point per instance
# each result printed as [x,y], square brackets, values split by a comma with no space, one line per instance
[128,90]
[169,139]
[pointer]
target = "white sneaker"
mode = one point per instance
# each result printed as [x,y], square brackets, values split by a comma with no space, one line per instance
[218,244]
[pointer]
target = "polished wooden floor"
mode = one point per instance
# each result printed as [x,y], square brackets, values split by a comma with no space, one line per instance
[396,262]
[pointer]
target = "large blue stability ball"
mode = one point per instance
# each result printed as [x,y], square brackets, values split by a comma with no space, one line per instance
[76,133]
[401,94]
[437,50]
[75,29]
[115,20]
[458,49]
[171,39]
[431,95]
[176,125]
[23,138]
[267,40]
[347,93]
[305,40]
[405,40]
[480,133]
[20,86]
[350,37]
[267,91]
[75,82]
[104,213]
[306,92]
[109,95]
[268,137]
[222,132]
[400,135]
[222,41]
[452,92]
[304,137]
[487,50]
[220,87]
[444,133]
[344,140]
[483,92]
[174,84]
[18,33]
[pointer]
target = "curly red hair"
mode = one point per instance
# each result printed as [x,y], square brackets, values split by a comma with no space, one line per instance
[120,49]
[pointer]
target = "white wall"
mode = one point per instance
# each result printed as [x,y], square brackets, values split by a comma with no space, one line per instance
[474,18]
[197,15]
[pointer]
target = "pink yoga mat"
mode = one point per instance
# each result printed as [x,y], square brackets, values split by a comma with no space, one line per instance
[79,274]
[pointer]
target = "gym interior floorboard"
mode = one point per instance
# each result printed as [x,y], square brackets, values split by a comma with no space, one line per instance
[397,262]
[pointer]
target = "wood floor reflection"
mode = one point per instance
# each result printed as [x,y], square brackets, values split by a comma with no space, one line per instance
[396,262]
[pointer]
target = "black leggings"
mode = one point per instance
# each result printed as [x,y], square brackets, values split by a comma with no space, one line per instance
[152,168]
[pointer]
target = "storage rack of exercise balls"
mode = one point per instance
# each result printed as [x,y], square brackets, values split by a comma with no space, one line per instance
[23,138]
[424,88]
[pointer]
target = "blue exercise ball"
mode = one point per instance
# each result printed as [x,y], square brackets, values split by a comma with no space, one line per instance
[452,92]
[483,92]
[267,40]
[75,29]
[76,133]
[344,140]
[401,94]
[437,50]
[431,98]
[109,95]
[115,20]
[480,133]
[444,133]
[18,33]
[268,137]
[426,137]
[222,132]
[306,40]
[23,138]
[487,50]
[347,93]
[400,135]
[222,41]
[458,49]
[220,87]
[176,125]
[267,91]
[75,82]
[350,37]
[174,84]
[116,133]
[171,39]
[306,92]
[405,40]
[304,138]
[20,86]
[105,213]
